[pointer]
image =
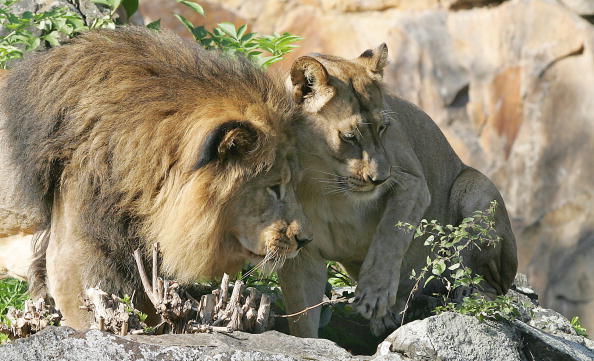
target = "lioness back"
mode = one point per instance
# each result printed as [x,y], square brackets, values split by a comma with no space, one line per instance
[129,137]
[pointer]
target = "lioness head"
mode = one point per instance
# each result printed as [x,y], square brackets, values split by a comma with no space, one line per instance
[343,101]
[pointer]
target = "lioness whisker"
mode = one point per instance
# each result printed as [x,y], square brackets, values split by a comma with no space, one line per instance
[321,171]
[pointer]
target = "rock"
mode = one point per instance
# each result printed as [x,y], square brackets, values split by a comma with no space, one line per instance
[64,343]
[512,88]
[455,337]
[452,336]
[539,334]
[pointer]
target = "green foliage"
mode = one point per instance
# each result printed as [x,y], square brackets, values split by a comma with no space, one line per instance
[446,264]
[28,31]
[576,324]
[501,307]
[13,293]
[337,276]
[264,50]
[127,300]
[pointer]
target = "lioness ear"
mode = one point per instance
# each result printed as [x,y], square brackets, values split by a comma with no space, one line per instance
[228,140]
[309,81]
[375,60]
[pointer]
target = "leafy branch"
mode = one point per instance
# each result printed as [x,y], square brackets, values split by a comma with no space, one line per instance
[446,263]
[264,50]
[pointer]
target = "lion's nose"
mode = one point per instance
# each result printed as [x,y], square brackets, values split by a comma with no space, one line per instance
[301,242]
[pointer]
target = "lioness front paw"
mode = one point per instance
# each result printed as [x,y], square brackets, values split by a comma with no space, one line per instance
[373,299]
[386,324]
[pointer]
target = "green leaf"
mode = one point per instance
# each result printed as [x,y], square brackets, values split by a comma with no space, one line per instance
[439,267]
[428,280]
[155,25]
[454,266]
[52,38]
[429,240]
[131,6]
[241,31]
[192,5]
[228,28]
[186,22]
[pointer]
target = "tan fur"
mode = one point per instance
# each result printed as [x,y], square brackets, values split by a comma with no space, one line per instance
[372,160]
[15,255]
[130,137]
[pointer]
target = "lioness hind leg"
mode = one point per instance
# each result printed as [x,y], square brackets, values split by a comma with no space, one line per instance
[473,191]
[303,280]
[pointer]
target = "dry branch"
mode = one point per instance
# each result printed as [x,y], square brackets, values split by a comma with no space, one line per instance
[224,310]
[34,317]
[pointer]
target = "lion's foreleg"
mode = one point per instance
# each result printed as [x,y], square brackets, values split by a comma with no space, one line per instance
[66,257]
[303,280]
[380,273]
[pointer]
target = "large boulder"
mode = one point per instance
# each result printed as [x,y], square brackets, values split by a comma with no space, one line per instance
[510,85]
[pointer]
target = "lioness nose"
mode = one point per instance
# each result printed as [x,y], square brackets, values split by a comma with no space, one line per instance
[301,242]
[375,180]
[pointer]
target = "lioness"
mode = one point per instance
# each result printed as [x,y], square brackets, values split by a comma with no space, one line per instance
[129,137]
[372,160]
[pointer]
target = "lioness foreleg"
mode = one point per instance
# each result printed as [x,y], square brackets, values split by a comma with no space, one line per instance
[303,280]
[473,191]
[379,278]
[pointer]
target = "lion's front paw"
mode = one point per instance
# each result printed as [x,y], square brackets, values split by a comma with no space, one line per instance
[374,298]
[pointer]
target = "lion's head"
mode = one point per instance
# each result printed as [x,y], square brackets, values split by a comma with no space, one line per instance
[159,140]
[343,100]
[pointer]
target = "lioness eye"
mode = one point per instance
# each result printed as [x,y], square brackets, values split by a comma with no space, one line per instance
[275,190]
[348,137]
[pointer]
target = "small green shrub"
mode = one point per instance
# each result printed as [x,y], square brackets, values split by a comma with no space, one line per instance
[337,275]
[576,324]
[446,264]
[13,293]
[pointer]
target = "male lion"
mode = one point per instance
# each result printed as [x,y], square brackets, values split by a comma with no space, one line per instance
[129,137]
[372,160]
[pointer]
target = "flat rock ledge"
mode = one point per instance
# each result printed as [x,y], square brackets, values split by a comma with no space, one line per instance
[446,337]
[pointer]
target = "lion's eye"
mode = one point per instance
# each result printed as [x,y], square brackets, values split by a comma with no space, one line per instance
[348,137]
[276,191]
[383,127]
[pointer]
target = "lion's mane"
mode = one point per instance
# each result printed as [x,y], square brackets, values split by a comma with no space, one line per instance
[116,118]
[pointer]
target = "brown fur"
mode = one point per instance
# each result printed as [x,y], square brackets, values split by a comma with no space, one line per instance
[118,126]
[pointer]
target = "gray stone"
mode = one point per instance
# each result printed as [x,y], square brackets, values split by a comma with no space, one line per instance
[63,343]
[453,337]
[456,337]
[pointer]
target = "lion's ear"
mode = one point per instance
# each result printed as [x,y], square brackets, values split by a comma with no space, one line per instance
[229,140]
[309,80]
[375,60]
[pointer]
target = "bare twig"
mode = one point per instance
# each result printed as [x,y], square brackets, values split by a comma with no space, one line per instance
[148,289]
[155,268]
[328,302]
